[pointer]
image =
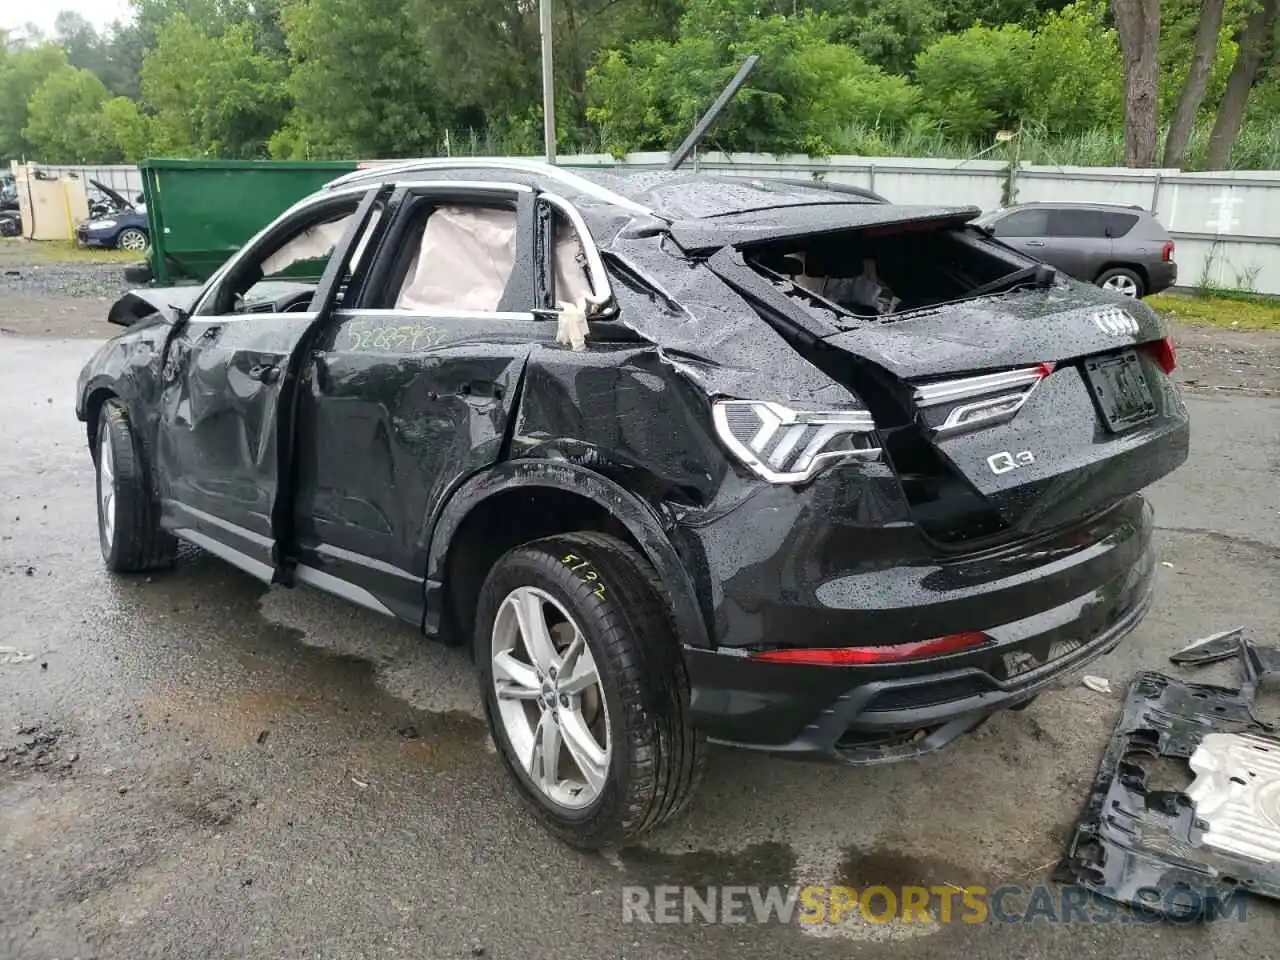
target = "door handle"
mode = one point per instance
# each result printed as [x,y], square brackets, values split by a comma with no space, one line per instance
[267,374]
[1035,243]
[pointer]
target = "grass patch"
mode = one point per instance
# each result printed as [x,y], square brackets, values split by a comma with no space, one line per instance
[63,251]
[1231,313]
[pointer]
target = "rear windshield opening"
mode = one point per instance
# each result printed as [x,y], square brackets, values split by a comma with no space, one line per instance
[876,273]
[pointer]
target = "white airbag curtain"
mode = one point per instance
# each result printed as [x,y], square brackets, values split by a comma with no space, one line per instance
[464,261]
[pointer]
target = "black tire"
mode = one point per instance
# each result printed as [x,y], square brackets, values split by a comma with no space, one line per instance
[1122,276]
[137,240]
[138,273]
[616,598]
[133,541]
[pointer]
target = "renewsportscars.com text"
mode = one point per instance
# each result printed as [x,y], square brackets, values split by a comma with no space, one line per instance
[973,904]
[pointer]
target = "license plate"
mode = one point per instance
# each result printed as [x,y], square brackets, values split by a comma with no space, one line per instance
[1120,389]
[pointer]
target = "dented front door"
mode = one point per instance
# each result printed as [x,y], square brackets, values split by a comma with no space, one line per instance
[225,429]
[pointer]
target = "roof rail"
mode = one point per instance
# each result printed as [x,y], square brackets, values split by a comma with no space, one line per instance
[567,177]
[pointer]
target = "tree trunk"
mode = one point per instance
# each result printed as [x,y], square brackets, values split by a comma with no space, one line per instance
[1254,41]
[1192,95]
[1138,24]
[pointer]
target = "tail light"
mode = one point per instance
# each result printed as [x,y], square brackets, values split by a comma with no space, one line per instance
[782,445]
[1166,253]
[859,656]
[1163,353]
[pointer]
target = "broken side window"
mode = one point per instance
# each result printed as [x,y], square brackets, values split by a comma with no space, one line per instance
[464,258]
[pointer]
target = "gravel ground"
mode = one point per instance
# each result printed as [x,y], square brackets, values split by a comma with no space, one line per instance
[96,281]
[44,297]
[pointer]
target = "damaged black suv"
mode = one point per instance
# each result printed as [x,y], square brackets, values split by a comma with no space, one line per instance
[679,459]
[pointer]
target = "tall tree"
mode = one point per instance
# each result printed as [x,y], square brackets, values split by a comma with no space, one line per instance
[1255,41]
[213,95]
[1193,89]
[21,72]
[65,123]
[1138,24]
[362,82]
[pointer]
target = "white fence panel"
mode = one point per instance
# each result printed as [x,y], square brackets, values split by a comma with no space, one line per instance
[122,178]
[1087,185]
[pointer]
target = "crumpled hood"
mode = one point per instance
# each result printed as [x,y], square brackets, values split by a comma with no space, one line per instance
[136,304]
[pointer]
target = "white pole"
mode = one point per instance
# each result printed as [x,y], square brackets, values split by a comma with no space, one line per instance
[548,81]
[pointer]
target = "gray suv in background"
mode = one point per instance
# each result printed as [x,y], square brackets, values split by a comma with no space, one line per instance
[1124,249]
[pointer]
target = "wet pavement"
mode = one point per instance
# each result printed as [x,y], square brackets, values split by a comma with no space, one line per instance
[195,765]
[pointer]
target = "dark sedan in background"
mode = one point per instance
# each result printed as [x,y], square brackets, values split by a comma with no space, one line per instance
[1119,248]
[116,223]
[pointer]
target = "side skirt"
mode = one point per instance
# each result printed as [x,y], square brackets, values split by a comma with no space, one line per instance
[302,573]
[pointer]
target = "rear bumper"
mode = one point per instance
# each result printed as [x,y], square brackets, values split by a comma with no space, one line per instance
[867,714]
[1162,276]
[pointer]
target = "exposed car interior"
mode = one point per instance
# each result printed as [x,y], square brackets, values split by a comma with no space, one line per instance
[877,273]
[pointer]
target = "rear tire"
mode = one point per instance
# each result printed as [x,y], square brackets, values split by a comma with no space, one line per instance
[128,517]
[1123,281]
[594,593]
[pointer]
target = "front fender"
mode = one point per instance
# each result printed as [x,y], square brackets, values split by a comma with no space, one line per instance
[640,519]
[126,366]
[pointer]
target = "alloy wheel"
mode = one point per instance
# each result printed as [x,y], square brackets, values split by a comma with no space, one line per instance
[107,488]
[550,699]
[134,240]
[1122,285]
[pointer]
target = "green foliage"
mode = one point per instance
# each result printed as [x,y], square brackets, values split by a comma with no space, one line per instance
[65,119]
[1064,76]
[21,74]
[1075,76]
[131,131]
[975,81]
[360,81]
[890,33]
[806,90]
[212,95]
[387,78]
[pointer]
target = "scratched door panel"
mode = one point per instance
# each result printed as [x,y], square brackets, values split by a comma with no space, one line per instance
[397,410]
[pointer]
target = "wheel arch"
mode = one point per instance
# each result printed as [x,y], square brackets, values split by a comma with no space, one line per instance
[1136,268]
[95,398]
[522,500]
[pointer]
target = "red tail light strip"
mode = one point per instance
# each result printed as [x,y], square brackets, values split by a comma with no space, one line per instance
[860,656]
[1164,353]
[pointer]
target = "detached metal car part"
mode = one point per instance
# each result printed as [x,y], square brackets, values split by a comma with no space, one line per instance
[827,475]
[1185,853]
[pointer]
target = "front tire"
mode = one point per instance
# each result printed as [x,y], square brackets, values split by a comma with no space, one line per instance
[128,520]
[133,240]
[585,688]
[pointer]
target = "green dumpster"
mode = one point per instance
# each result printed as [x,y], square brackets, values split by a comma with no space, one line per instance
[202,211]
